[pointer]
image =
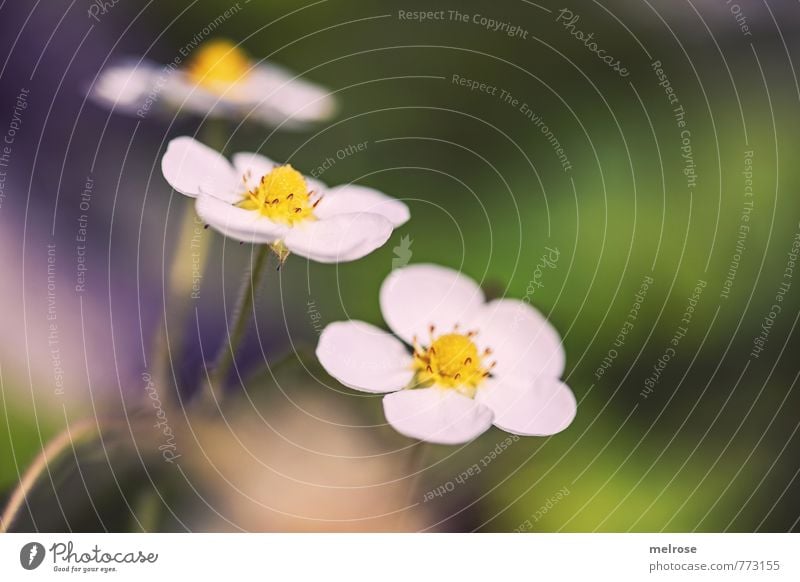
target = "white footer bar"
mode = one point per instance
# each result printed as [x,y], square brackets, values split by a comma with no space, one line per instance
[406,557]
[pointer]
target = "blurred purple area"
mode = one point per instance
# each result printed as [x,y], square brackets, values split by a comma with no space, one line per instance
[76,171]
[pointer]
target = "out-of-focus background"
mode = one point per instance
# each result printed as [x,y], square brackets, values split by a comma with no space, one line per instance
[652,216]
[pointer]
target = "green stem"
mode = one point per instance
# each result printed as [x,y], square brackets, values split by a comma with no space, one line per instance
[189,260]
[53,452]
[415,466]
[148,512]
[245,307]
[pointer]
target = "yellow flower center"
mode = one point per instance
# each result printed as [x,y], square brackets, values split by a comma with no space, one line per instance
[282,196]
[218,64]
[452,361]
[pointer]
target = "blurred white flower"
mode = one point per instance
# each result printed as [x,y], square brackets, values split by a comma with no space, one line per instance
[258,201]
[220,80]
[473,363]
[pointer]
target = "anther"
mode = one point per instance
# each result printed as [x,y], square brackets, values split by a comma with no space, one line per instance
[468,361]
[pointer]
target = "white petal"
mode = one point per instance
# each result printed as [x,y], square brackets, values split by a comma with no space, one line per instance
[353,198]
[179,94]
[436,415]
[124,86]
[414,298]
[364,357]
[243,100]
[315,186]
[279,91]
[254,163]
[193,169]
[183,94]
[540,408]
[254,166]
[341,238]
[524,343]
[237,223]
[257,166]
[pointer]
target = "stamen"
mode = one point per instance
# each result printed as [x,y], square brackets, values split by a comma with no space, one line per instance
[451,360]
[281,195]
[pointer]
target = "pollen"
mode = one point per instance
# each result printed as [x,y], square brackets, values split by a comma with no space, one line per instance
[282,196]
[451,360]
[218,64]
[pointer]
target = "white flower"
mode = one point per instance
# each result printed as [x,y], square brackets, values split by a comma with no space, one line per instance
[258,201]
[219,80]
[473,363]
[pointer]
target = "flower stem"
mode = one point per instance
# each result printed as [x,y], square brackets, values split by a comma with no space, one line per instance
[52,453]
[244,309]
[148,512]
[188,261]
[415,466]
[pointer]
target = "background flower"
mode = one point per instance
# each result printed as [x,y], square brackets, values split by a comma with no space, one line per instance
[257,201]
[217,80]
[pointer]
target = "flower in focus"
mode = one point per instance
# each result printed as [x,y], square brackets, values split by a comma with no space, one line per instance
[472,363]
[218,80]
[258,201]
